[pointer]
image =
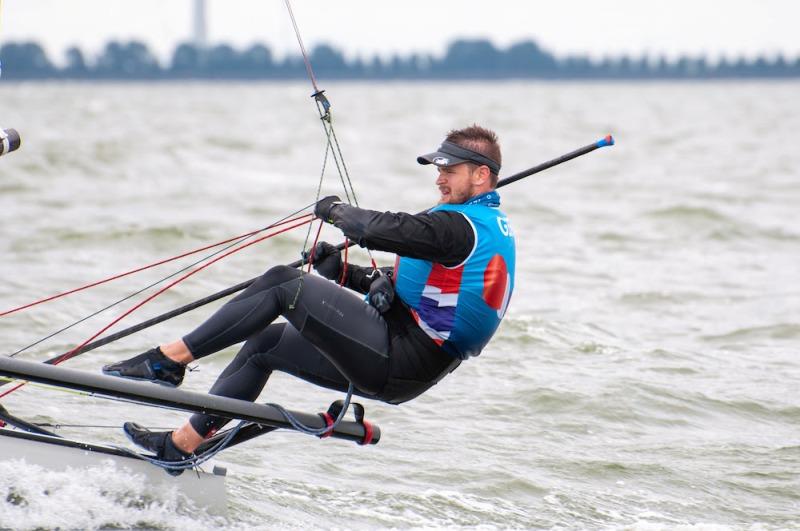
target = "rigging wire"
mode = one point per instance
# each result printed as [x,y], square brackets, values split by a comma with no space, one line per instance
[285,220]
[195,460]
[192,461]
[332,142]
[58,426]
[333,147]
[302,48]
[7,380]
[324,109]
[75,350]
[132,271]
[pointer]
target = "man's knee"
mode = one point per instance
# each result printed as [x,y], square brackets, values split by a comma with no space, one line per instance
[260,348]
[278,275]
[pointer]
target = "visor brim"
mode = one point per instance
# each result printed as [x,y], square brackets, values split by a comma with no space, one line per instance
[438,158]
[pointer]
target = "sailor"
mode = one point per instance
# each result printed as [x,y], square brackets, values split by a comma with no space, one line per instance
[439,305]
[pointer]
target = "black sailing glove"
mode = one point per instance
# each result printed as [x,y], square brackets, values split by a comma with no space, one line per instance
[328,261]
[381,293]
[324,207]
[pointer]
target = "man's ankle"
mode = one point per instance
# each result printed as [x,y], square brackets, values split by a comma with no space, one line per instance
[186,438]
[177,352]
[179,446]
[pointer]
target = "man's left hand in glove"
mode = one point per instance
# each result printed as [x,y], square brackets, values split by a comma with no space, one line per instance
[324,207]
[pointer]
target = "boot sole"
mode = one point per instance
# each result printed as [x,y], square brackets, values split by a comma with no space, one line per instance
[130,437]
[140,379]
[154,453]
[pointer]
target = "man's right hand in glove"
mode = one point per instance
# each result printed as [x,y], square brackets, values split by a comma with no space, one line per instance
[328,261]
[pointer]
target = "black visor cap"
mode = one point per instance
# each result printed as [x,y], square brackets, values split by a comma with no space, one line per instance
[450,154]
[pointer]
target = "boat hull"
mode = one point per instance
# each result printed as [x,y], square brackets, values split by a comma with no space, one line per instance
[205,489]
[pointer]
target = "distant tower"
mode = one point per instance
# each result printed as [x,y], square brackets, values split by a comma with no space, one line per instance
[199,24]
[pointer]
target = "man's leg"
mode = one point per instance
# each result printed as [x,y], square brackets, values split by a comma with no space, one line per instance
[279,348]
[235,321]
[333,338]
[352,334]
[336,320]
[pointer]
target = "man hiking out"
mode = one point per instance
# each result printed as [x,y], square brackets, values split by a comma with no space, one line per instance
[439,305]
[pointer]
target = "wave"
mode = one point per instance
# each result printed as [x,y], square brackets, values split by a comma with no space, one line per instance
[689,214]
[301,504]
[712,224]
[101,497]
[657,297]
[776,331]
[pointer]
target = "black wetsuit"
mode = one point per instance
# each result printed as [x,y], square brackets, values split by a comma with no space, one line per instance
[332,337]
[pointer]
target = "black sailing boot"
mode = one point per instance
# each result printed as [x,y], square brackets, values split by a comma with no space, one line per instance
[152,366]
[158,442]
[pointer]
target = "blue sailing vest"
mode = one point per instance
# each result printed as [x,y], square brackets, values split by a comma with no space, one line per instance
[461,307]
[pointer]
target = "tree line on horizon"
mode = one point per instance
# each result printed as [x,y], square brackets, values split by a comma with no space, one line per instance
[464,59]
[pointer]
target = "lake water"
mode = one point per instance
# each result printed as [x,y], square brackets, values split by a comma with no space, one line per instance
[646,375]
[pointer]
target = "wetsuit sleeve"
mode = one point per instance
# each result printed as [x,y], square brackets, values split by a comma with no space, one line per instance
[443,237]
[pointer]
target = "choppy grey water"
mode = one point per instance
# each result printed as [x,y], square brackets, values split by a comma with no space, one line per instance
[645,377]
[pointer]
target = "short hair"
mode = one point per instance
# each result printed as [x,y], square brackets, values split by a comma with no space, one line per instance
[479,139]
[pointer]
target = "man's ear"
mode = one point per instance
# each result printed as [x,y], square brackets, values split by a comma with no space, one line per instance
[481,175]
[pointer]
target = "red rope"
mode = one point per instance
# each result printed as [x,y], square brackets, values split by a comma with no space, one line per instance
[74,351]
[314,247]
[143,268]
[344,262]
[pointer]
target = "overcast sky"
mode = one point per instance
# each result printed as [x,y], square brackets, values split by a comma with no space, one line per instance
[366,27]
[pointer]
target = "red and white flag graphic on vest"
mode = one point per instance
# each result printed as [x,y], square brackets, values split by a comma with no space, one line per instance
[437,306]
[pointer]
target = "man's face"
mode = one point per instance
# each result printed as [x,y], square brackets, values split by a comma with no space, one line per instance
[455,183]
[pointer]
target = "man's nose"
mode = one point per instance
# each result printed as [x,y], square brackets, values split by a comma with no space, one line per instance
[441,178]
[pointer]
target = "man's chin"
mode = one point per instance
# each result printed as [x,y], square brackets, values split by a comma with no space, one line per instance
[450,199]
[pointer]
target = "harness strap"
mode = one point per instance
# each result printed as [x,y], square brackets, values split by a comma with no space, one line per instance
[335,410]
